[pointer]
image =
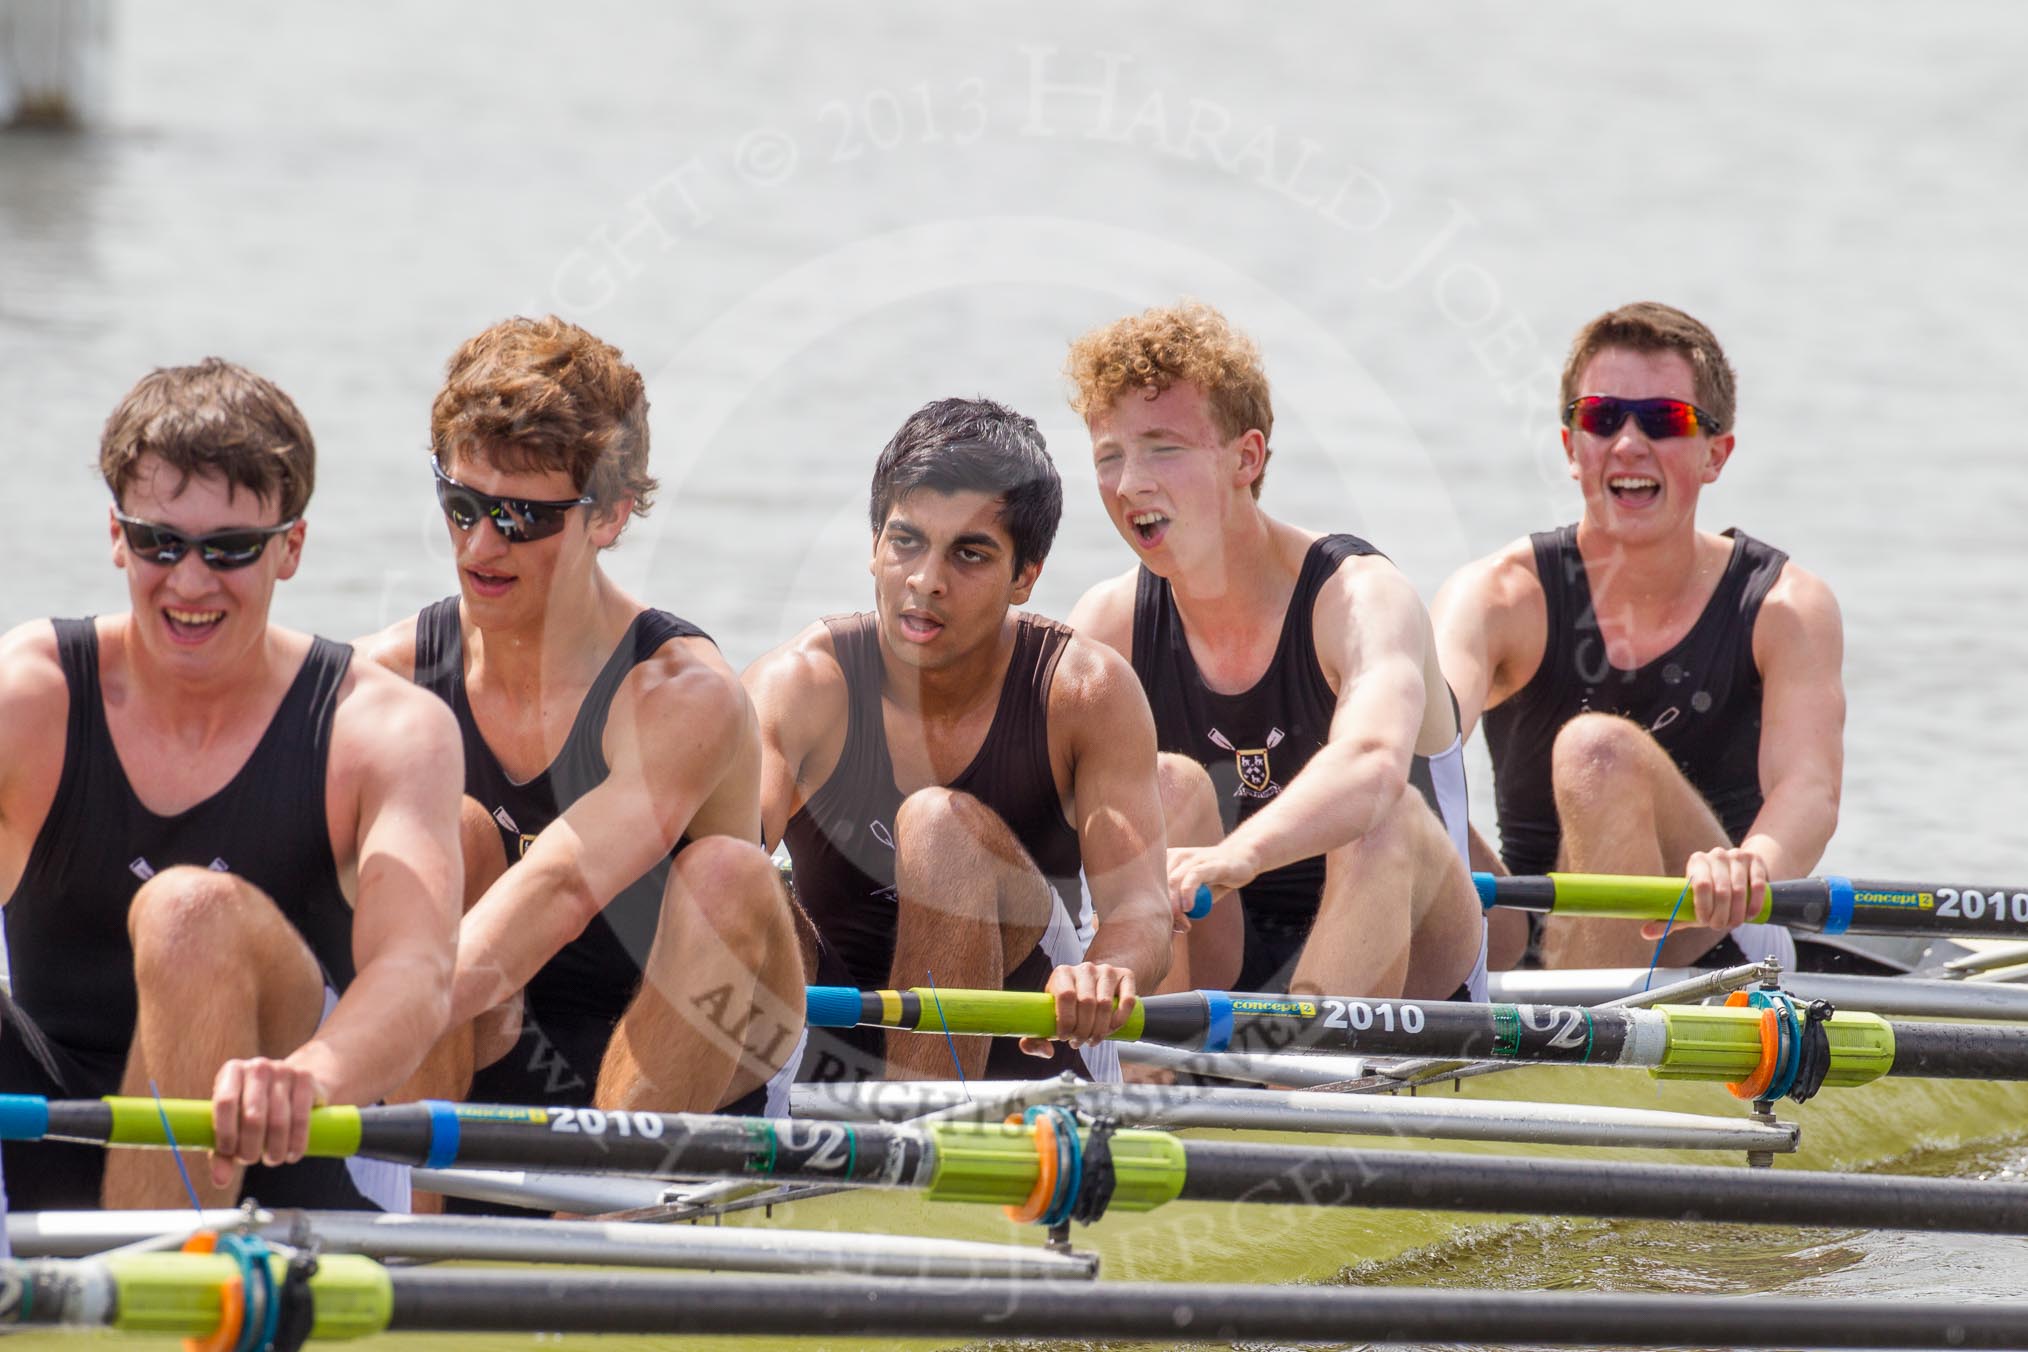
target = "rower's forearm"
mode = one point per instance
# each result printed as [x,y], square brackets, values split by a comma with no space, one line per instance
[1791,832]
[507,937]
[387,1020]
[1324,807]
[1135,936]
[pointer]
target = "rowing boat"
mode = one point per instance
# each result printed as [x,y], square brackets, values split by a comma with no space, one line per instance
[1552,1115]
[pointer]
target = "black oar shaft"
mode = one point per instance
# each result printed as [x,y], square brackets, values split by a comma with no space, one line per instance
[1222,1021]
[1301,1176]
[520,1302]
[1960,1051]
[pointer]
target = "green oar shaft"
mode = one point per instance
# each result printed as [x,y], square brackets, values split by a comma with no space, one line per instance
[1826,905]
[1697,1042]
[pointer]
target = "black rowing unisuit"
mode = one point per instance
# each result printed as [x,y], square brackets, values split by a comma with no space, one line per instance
[842,841]
[578,996]
[1700,700]
[67,943]
[1254,742]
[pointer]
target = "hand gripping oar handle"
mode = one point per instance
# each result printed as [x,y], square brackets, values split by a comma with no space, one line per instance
[1828,905]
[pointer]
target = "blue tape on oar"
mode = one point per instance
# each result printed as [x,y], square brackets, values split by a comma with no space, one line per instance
[1218,1026]
[1200,905]
[1840,918]
[1489,890]
[831,1006]
[444,1133]
[23,1117]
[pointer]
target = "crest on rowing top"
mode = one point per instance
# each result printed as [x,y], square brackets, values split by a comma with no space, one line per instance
[1253,764]
[500,815]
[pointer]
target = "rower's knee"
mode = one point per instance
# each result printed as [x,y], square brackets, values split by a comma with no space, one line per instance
[1597,758]
[937,813]
[736,890]
[485,855]
[184,920]
[1189,801]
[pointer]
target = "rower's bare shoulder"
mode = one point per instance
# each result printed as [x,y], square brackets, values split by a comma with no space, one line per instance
[1502,583]
[386,729]
[1094,685]
[392,648]
[1800,615]
[685,687]
[1106,612]
[34,697]
[800,683]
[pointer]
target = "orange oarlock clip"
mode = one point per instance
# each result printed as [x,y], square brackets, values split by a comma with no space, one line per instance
[231,1302]
[1755,1085]
[1031,1210]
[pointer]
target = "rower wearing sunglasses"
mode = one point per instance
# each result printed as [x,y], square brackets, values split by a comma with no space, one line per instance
[626,944]
[1658,698]
[229,852]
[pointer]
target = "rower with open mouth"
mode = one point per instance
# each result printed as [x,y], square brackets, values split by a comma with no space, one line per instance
[1312,776]
[229,851]
[626,943]
[967,790]
[1658,699]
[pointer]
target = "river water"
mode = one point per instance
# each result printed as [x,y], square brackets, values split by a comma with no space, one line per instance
[802,224]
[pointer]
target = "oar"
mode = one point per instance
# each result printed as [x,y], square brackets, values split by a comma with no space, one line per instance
[1014,1164]
[353,1297]
[1688,1042]
[1817,905]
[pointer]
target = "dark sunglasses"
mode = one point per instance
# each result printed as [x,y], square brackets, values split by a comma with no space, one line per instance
[1602,415]
[517,519]
[223,550]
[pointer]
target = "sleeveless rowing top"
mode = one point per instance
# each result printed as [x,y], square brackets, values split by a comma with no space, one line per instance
[1700,700]
[842,841]
[1253,743]
[597,973]
[67,943]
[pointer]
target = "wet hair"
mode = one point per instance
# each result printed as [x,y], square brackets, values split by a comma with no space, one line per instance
[1153,350]
[978,446]
[218,420]
[1649,326]
[543,394]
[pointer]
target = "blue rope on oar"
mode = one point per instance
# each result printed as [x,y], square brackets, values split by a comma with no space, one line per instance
[175,1151]
[949,1041]
[1671,924]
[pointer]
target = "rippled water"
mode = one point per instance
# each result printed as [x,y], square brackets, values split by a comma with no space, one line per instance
[802,224]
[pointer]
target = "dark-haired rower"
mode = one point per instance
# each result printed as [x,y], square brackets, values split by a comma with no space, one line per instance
[967,791]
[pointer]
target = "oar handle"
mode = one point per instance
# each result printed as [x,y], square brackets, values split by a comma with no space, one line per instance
[1200,904]
[924,1009]
[1613,895]
[1825,905]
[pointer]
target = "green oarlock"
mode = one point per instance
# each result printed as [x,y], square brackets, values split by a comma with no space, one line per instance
[334,1132]
[996,1162]
[353,1297]
[1718,1043]
[179,1293]
[1722,1043]
[170,1292]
